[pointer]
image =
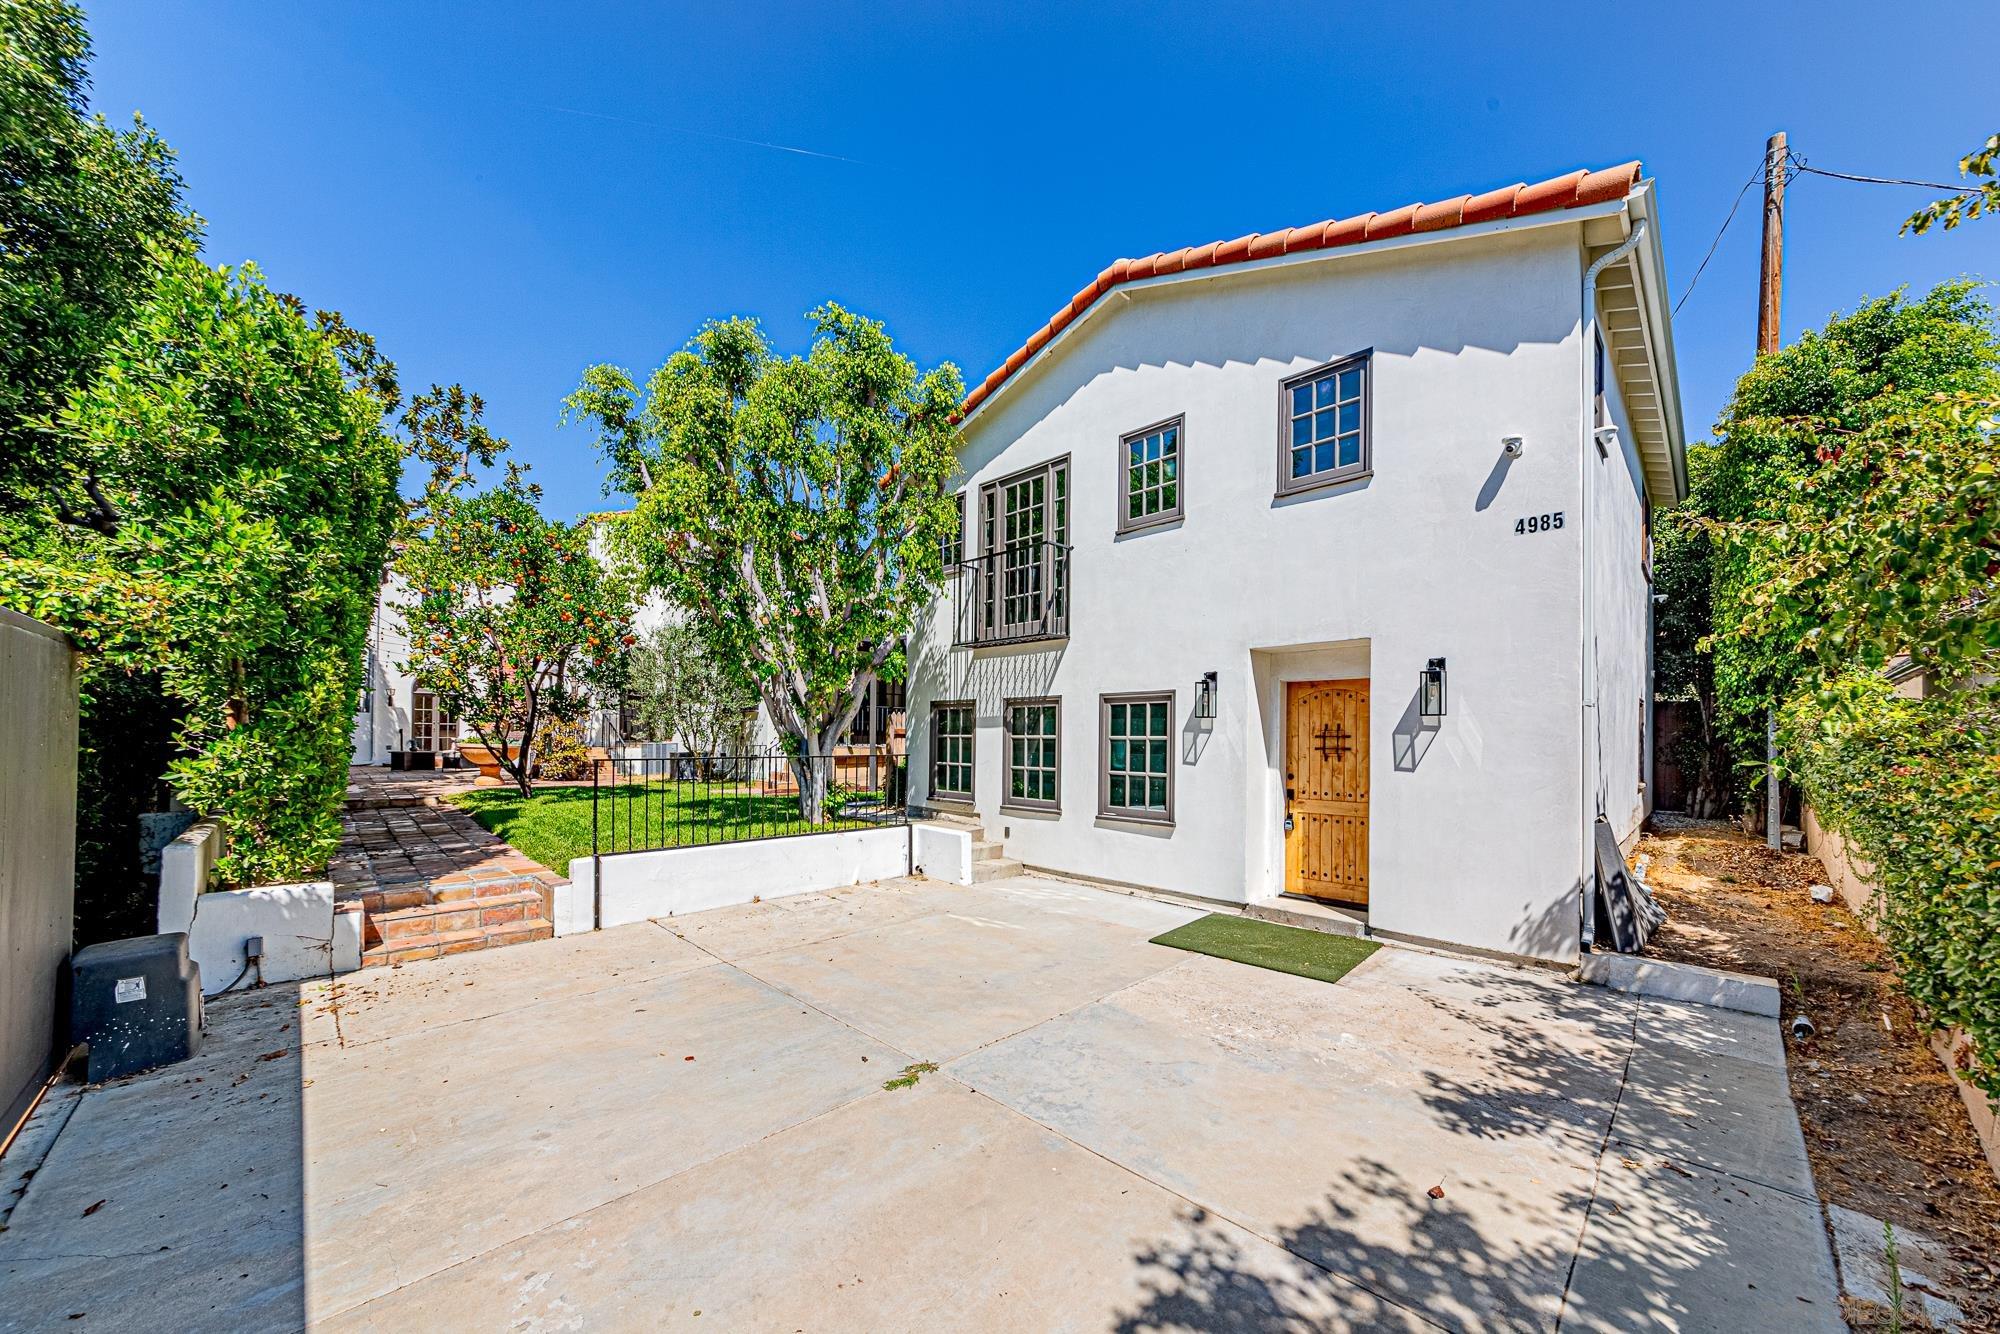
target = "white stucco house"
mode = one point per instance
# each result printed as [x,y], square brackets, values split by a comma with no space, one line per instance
[395,712]
[1317,563]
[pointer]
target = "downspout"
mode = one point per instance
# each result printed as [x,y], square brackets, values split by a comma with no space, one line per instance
[1586,527]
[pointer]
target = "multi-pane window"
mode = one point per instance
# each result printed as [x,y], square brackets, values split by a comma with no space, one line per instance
[1325,425]
[1138,776]
[951,750]
[1152,460]
[1024,530]
[1034,752]
[423,720]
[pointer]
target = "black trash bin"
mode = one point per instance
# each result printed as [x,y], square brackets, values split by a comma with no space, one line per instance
[136,1004]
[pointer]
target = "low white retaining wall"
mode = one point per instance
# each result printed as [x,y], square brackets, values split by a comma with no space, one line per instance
[303,936]
[185,867]
[639,885]
[942,853]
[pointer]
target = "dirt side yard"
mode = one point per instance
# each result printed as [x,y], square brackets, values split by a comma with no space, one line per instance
[1884,1126]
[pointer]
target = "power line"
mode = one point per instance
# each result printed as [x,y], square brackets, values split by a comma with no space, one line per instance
[1799,164]
[1689,291]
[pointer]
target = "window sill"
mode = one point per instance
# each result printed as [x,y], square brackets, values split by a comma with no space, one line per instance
[1324,482]
[1133,527]
[1127,817]
[1011,808]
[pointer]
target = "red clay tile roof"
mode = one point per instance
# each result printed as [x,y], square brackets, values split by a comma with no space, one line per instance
[1574,190]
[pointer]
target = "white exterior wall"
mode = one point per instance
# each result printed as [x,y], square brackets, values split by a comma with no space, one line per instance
[1475,828]
[1622,592]
[382,718]
[382,721]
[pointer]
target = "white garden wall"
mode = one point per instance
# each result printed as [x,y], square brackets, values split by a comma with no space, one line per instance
[642,885]
[942,853]
[303,936]
[186,864]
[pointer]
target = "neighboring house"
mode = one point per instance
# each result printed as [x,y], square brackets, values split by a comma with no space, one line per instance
[396,713]
[1227,511]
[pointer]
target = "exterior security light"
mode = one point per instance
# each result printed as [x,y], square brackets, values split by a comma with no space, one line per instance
[1204,696]
[1430,692]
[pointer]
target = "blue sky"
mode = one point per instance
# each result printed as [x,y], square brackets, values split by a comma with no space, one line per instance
[504,194]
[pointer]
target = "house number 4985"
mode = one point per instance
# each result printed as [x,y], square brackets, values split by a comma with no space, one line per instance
[1538,523]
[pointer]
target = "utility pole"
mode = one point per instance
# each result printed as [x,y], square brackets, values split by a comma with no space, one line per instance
[1770,290]
[1771,279]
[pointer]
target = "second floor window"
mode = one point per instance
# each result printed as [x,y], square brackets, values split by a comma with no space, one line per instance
[1325,436]
[1152,462]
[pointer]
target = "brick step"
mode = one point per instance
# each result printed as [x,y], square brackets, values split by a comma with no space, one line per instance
[394,898]
[406,949]
[999,868]
[437,919]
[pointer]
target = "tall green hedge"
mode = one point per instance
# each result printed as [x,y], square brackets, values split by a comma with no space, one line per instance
[1852,511]
[1914,786]
[222,521]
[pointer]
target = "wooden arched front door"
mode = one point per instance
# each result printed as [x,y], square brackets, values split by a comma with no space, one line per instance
[1326,790]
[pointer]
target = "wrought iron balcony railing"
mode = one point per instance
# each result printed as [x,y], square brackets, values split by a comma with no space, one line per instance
[1013,596]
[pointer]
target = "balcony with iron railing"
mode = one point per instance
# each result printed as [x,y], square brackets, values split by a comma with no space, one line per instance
[1017,595]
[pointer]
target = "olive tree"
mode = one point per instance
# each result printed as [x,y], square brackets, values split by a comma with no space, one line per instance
[794,506]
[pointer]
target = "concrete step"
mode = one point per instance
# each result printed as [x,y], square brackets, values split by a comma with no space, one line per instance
[988,850]
[1310,915]
[437,919]
[457,942]
[998,868]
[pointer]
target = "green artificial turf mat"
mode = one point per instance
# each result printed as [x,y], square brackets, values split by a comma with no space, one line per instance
[1283,949]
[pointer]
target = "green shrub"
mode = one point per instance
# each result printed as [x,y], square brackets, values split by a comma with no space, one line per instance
[1914,787]
[240,494]
[562,757]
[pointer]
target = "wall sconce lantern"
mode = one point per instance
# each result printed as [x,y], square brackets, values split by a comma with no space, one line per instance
[1430,692]
[1204,697]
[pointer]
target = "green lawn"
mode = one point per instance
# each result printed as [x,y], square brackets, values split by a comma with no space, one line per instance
[1285,949]
[554,825]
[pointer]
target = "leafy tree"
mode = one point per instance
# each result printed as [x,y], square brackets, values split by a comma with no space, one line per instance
[683,691]
[88,215]
[1865,377]
[234,495]
[795,506]
[1967,204]
[511,619]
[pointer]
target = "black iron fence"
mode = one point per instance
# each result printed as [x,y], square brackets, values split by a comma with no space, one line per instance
[1012,596]
[675,801]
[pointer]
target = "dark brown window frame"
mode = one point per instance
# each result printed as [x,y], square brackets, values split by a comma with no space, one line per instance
[1128,524]
[991,544]
[1105,810]
[1008,801]
[1289,485]
[953,548]
[971,752]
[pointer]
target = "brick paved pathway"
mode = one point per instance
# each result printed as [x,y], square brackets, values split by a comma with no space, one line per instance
[430,880]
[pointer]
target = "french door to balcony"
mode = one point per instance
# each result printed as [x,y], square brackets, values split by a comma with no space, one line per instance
[1024,533]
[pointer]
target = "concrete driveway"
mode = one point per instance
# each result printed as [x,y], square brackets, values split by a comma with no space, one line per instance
[684,1125]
